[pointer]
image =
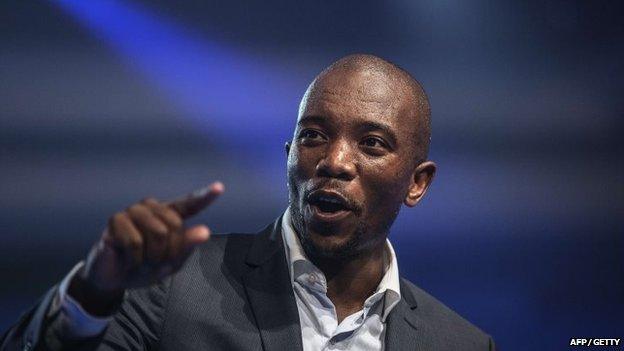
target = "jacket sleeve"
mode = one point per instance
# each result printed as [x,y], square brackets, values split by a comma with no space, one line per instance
[24,335]
[135,326]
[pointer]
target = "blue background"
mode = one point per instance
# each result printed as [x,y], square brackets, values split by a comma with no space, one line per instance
[105,102]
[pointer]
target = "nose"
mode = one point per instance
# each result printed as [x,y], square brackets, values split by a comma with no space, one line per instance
[338,162]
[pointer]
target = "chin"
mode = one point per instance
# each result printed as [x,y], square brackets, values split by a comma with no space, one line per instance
[336,239]
[328,245]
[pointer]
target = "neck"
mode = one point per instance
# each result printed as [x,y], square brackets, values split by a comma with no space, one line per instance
[350,281]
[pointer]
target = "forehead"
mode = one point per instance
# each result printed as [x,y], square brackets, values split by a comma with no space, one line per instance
[353,96]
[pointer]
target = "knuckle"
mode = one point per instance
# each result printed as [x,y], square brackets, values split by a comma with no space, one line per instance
[116,219]
[136,208]
[136,243]
[160,232]
[174,218]
[150,200]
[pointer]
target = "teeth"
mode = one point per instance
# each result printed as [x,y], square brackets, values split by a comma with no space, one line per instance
[329,199]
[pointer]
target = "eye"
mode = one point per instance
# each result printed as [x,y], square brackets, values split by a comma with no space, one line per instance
[374,142]
[309,134]
[375,146]
[311,137]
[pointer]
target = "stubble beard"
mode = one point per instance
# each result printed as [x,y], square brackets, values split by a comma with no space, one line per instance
[355,247]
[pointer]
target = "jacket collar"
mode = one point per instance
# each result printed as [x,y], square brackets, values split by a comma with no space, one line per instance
[266,244]
[274,306]
[402,325]
[270,294]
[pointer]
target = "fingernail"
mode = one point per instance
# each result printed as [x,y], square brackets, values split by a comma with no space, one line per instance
[218,186]
[205,233]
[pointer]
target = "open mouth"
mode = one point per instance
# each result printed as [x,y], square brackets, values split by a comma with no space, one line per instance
[328,205]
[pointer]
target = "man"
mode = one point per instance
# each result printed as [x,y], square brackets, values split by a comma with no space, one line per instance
[323,277]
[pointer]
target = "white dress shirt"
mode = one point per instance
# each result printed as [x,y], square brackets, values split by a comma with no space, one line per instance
[363,330]
[320,330]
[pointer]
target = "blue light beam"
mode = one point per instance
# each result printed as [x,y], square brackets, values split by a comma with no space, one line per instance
[225,91]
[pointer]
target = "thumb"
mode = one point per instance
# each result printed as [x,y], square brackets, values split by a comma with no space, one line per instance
[187,241]
[195,235]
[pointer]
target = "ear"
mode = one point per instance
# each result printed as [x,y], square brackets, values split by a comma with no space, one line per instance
[421,179]
[287,148]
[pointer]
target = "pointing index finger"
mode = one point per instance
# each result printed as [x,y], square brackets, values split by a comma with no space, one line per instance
[196,201]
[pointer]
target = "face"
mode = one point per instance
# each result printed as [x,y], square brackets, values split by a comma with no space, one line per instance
[352,163]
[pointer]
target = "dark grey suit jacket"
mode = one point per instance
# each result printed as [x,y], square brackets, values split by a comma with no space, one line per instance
[234,293]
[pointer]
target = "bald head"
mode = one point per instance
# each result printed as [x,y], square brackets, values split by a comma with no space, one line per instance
[362,136]
[371,78]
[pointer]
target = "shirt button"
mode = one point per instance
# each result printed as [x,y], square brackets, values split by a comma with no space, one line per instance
[312,278]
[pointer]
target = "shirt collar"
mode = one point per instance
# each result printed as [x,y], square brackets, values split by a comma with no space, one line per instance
[299,265]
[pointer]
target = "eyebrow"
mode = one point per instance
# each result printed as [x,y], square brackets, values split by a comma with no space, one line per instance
[311,119]
[371,125]
[364,126]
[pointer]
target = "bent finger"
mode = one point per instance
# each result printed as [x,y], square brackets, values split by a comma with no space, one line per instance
[126,237]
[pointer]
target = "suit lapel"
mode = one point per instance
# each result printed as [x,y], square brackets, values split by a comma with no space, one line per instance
[402,325]
[270,293]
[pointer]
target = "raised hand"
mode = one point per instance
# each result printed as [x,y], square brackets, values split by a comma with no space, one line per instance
[139,247]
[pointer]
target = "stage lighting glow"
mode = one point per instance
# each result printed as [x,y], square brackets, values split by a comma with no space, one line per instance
[223,89]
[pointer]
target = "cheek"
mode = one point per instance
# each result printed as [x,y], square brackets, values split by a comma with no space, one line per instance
[389,182]
[300,167]
[294,164]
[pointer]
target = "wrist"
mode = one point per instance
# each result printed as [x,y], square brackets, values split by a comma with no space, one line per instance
[93,300]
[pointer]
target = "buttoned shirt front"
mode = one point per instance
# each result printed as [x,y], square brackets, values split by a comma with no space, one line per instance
[320,330]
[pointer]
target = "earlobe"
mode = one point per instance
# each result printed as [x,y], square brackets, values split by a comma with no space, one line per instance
[421,179]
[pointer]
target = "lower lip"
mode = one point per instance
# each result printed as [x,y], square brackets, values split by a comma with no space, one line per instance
[319,215]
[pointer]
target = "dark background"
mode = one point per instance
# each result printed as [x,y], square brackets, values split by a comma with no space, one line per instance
[105,102]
